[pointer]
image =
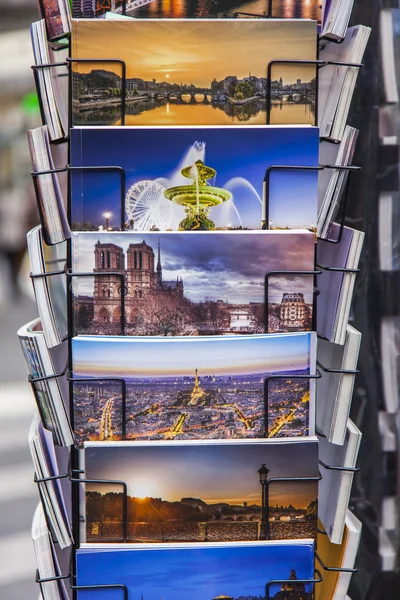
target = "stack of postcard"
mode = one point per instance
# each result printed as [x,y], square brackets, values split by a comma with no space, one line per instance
[213,570]
[48,567]
[202,491]
[187,264]
[48,190]
[48,265]
[338,556]
[139,84]
[47,372]
[54,492]
[141,192]
[338,258]
[193,387]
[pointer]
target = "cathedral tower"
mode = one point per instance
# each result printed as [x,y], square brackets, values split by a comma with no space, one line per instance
[107,288]
[141,276]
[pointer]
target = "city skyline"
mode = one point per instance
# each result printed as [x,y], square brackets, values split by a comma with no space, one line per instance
[211,472]
[185,50]
[135,357]
[197,572]
[239,156]
[231,266]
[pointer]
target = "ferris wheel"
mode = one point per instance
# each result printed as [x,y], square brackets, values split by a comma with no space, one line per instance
[147,207]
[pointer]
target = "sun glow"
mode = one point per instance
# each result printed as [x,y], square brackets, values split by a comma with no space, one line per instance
[143,488]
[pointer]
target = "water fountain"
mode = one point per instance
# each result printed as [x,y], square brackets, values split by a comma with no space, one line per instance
[197,197]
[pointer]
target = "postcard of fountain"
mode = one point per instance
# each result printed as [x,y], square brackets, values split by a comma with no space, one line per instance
[193,72]
[229,571]
[200,9]
[189,283]
[173,172]
[202,492]
[188,388]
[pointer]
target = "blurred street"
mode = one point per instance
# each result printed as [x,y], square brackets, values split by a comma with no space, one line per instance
[18,213]
[18,494]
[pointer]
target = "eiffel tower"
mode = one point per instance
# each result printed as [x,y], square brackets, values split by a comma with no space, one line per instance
[197,392]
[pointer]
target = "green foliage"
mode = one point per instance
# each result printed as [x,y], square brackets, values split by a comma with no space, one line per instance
[243,90]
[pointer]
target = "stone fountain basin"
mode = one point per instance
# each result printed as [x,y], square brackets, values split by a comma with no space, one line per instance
[205,195]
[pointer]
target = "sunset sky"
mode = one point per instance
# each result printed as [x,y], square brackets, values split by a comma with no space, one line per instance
[211,472]
[131,356]
[226,265]
[196,51]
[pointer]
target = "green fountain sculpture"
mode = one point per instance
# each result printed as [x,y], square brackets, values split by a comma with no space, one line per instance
[198,197]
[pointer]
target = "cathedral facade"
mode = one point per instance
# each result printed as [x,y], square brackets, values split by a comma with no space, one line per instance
[138,276]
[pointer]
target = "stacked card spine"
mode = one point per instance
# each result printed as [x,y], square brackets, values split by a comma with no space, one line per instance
[340,375]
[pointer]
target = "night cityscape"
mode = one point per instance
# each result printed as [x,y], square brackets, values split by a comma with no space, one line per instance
[178,408]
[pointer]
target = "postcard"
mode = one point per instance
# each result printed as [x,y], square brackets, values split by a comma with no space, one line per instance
[230,571]
[189,283]
[208,387]
[202,492]
[172,171]
[193,72]
[201,9]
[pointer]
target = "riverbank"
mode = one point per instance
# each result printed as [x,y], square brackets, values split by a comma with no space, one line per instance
[95,104]
[245,100]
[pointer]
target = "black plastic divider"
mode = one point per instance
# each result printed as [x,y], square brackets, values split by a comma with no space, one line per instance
[334,569]
[317,579]
[280,480]
[116,61]
[340,469]
[301,274]
[78,480]
[94,380]
[317,375]
[49,274]
[119,275]
[105,586]
[319,64]
[338,371]
[338,269]
[267,179]
[108,586]
[70,169]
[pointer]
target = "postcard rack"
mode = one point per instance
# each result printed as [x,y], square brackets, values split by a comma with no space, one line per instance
[75,475]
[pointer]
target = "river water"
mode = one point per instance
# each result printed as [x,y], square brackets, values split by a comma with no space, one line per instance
[156,113]
[297,9]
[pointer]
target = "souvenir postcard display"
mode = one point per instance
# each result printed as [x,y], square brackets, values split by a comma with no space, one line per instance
[191,287]
[192,306]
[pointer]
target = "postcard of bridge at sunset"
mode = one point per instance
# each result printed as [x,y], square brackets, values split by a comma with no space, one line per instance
[193,72]
[203,491]
[193,387]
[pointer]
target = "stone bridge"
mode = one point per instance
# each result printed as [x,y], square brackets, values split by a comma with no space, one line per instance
[197,96]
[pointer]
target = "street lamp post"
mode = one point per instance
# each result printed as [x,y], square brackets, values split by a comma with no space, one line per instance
[263,475]
[107,215]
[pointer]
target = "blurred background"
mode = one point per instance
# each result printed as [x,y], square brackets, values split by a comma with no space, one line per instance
[18,213]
